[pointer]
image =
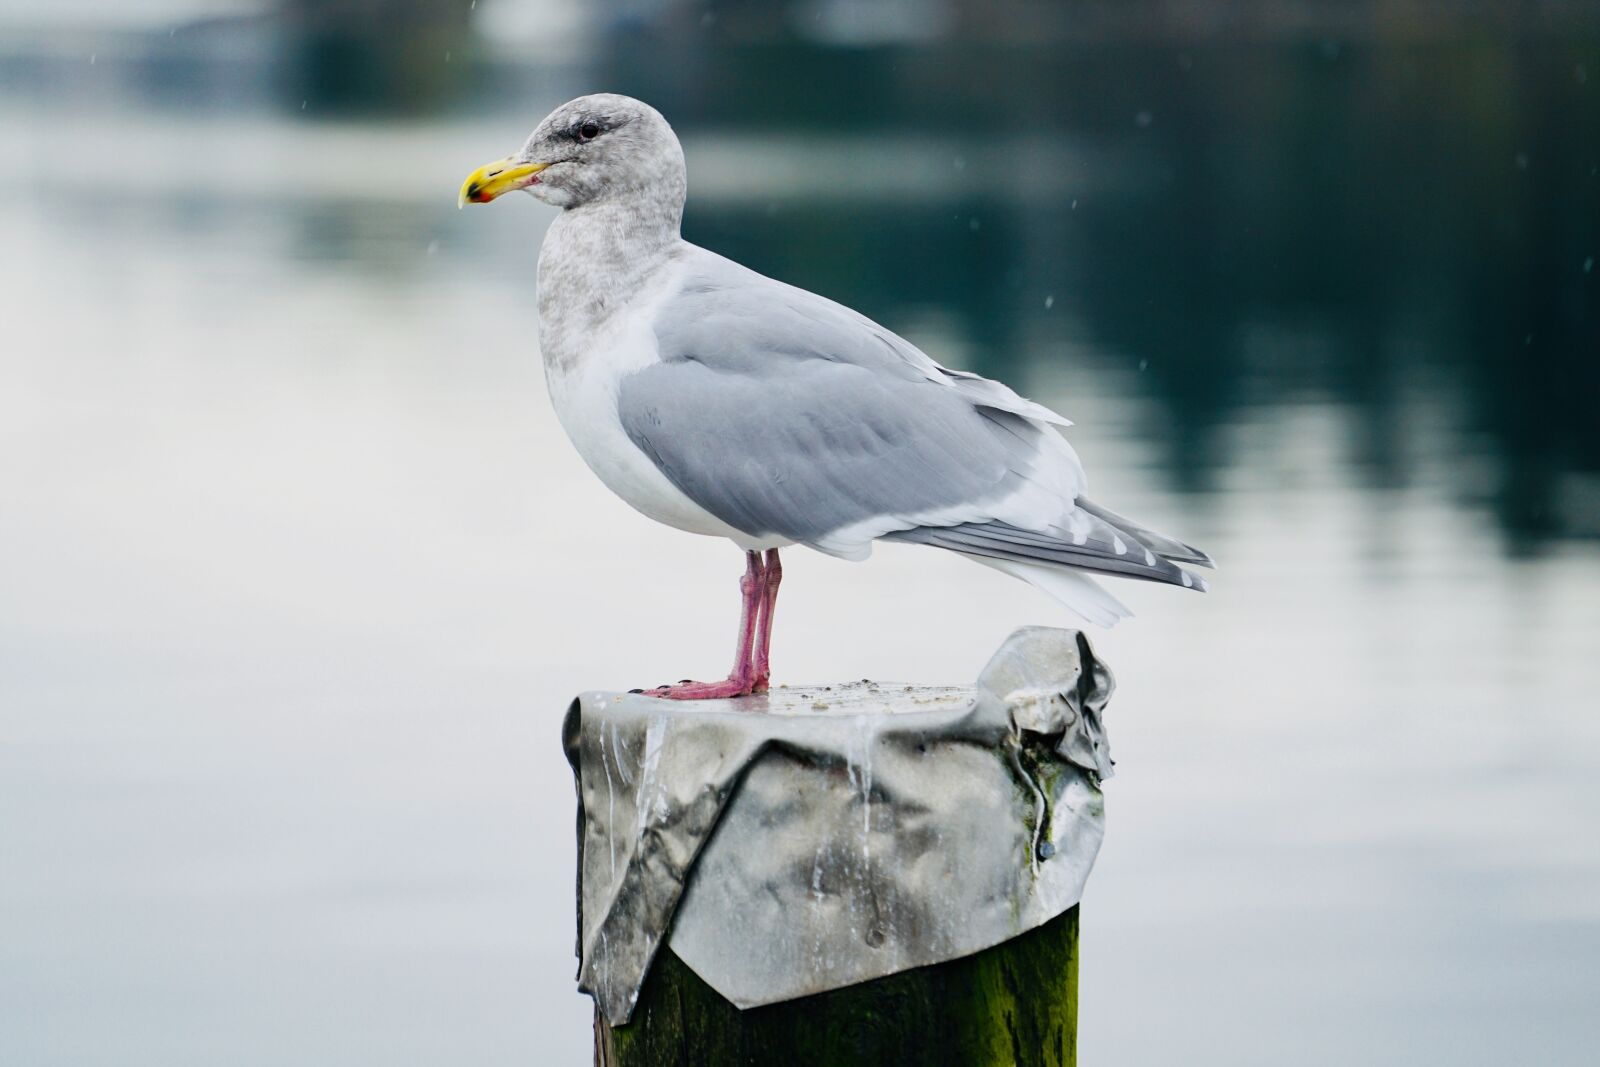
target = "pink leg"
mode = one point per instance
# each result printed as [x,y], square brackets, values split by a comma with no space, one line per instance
[741,679]
[769,603]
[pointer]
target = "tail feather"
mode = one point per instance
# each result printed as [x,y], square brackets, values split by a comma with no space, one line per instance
[1076,591]
[1169,548]
[1101,548]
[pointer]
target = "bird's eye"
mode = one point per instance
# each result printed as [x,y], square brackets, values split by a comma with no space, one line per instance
[588,131]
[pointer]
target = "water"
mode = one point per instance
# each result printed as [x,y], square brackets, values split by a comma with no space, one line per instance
[299,573]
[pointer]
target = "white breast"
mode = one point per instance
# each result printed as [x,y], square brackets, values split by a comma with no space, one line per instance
[583,386]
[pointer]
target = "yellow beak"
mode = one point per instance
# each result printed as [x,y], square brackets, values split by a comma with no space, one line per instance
[497,179]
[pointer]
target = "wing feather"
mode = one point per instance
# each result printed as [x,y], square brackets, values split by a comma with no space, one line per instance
[783,413]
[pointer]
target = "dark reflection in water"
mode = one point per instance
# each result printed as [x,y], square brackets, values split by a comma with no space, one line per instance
[374,56]
[1247,224]
[1316,217]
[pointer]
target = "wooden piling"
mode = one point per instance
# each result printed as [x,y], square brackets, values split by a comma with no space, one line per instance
[1012,1005]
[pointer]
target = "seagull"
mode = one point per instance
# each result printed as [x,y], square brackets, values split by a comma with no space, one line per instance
[722,402]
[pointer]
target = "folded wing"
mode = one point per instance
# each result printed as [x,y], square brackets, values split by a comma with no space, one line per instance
[783,413]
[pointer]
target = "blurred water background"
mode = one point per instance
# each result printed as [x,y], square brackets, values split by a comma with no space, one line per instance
[297,572]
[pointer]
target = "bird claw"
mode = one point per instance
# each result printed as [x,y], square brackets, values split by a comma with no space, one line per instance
[688,689]
[672,685]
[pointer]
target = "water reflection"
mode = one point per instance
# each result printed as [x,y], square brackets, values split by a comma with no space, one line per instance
[299,570]
[1336,219]
[397,57]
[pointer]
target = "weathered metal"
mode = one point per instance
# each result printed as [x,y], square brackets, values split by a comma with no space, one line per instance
[820,837]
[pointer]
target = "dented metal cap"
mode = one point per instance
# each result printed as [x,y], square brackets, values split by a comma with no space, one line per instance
[818,837]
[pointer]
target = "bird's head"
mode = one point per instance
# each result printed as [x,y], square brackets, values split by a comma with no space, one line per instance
[595,148]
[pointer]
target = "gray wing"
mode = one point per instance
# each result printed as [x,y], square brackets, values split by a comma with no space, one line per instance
[782,413]
[780,442]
